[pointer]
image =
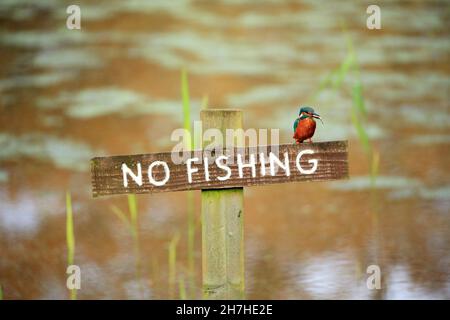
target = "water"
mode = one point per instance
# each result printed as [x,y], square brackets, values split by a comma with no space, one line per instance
[114,88]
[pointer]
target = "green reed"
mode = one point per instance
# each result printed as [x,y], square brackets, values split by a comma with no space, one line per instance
[349,69]
[173,263]
[131,222]
[1,292]
[70,238]
[359,113]
[189,145]
[335,79]
[186,106]
[182,288]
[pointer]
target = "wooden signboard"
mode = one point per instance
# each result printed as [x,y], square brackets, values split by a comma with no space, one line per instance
[221,174]
[219,168]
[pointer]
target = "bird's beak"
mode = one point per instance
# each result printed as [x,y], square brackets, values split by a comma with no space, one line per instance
[315,115]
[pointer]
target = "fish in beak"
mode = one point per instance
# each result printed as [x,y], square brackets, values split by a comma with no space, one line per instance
[315,115]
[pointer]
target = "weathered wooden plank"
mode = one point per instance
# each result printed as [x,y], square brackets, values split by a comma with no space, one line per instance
[107,175]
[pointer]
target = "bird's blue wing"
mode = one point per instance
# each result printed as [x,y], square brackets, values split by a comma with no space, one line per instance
[296,124]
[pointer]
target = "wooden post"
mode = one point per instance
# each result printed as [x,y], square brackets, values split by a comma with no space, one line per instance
[223,224]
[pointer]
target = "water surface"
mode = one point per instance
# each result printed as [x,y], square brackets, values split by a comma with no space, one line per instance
[113,87]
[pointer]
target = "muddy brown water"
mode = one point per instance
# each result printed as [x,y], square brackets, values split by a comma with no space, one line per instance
[113,87]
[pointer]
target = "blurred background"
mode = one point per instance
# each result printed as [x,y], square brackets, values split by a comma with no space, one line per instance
[114,87]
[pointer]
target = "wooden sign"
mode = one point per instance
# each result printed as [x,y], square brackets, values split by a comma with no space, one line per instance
[225,168]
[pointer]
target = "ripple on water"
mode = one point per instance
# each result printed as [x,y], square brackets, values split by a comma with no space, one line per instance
[359,183]
[437,193]
[91,103]
[21,215]
[62,152]
[245,57]
[42,79]
[401,285]
[399,187]
[430,139]
[326,276]
[424,115]
[4,176]
[67,58]
[24,212]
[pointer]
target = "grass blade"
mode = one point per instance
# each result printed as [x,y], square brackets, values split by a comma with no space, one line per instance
[70,238]
[182,288]
[190,196]
[191,235]
[69,230]
[327,81]
[186,106]
[122,217]
[361,132]
[172,262]
[342,71]
[132,207]
[358,98]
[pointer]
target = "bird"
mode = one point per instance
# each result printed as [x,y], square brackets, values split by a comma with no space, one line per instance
[305,125]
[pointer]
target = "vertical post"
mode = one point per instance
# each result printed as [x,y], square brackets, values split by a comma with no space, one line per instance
[223,224]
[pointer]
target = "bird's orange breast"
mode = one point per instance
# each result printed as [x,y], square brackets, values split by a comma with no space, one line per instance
[305,129]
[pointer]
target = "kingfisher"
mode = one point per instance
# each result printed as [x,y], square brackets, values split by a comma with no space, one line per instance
[305,125]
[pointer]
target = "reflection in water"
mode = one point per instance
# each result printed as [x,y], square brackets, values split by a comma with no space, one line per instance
[113,88]
[402,287]
[92,103]
[326,276]
[64,153]
[28,219]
